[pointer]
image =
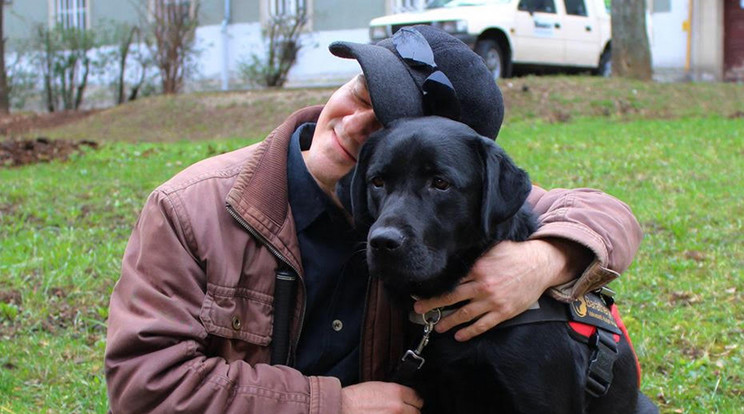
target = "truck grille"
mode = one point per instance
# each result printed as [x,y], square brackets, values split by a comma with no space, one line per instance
[395,27]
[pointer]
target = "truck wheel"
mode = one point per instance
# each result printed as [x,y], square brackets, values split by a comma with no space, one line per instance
[490,51]
[605,64]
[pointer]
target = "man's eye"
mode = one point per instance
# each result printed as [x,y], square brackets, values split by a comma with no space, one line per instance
[440,184]
[377,181]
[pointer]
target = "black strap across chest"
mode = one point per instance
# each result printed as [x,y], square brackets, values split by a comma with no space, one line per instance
[591,309]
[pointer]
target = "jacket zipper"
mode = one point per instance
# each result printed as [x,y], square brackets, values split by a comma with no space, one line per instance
[361,334]
[283,259]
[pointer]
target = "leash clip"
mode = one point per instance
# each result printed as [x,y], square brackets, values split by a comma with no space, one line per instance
[431,318]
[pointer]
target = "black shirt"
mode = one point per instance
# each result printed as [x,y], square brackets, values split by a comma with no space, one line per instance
[335,278]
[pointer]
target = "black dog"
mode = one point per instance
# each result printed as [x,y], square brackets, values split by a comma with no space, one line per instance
[435,195]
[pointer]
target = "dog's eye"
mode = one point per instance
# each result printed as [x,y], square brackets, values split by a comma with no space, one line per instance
[440,184]
[377,181]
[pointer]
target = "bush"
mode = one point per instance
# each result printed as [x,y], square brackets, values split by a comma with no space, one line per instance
[22,81]
[282,37]
[171,40]
[130,58]
[64,59]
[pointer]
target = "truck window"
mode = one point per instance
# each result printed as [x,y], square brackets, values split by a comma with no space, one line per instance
[575,7]
[541,6]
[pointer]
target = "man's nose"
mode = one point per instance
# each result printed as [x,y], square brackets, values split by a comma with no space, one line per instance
[361,124]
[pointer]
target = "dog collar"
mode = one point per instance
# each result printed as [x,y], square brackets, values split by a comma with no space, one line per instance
[420,319]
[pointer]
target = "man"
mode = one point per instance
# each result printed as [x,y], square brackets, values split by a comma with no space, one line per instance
[191,319]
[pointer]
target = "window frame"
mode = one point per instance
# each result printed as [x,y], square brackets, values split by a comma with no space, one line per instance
[267,6]
[520,7]
[661,6]
[568,13]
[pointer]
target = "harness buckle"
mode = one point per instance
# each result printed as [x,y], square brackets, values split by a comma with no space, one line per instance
[607,295]
[599,372]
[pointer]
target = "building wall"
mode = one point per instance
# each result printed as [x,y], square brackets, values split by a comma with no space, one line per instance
[707,41]
[242,11]
[102,12]
[345,15]
[668,38]
[21,18]
[315,66]
[222,51]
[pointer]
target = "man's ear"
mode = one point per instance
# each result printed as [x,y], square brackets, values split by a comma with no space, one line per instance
[505,186]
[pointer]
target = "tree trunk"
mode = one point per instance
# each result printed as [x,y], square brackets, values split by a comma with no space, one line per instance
[631,54]
[4,91]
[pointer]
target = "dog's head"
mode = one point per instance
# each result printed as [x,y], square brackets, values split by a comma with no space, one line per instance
[434,195]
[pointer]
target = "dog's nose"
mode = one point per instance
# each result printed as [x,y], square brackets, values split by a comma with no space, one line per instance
[386,238]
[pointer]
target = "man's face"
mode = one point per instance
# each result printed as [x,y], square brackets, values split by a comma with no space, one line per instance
[344,125]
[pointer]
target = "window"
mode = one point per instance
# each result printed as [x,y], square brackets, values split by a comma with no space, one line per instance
[575,7]
[287,11]
[542,6]
[166,11]
[286,7]
[662,6]
[71,13]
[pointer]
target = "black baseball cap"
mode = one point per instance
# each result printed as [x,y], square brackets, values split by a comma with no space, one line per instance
[422,71]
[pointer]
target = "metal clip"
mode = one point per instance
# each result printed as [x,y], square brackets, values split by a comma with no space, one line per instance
[412,354]
[431,318]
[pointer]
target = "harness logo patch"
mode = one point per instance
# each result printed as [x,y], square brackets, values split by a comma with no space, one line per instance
[591,310]
[579,307]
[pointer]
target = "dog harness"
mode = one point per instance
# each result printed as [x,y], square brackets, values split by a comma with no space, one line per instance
[593,319]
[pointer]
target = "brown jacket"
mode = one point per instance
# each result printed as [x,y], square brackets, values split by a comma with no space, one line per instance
[190,320]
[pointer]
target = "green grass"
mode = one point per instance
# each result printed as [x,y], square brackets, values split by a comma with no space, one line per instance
[63,228]
[682,297]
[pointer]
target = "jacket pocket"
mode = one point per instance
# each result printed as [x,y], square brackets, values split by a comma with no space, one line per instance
[238,313]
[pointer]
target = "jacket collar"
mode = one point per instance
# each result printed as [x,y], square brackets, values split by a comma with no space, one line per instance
[259,195]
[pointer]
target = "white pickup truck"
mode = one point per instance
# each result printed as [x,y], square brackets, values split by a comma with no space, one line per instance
[516,34]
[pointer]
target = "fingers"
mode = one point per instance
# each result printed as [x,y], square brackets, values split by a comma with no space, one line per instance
[464,291]
[462,315]
[409,397]
[376,397]
[482,325]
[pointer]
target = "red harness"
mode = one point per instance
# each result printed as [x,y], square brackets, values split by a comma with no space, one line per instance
[586,330]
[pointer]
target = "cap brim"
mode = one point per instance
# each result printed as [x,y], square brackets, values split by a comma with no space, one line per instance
[393,92]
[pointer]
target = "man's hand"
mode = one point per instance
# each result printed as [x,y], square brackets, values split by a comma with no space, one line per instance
[506,281]
[380,397]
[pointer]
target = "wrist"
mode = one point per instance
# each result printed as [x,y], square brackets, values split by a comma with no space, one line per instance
[566,259]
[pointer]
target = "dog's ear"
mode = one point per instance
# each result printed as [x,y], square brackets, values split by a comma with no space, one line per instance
[343,190]
[505,186]
[358,189]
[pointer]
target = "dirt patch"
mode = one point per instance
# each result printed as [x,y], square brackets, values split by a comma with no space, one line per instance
[17,152]
[14,125]
[10,307]
[11,297]
[17,149]
[684,298]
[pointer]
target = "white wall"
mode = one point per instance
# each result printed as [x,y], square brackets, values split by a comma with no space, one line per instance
[315,66]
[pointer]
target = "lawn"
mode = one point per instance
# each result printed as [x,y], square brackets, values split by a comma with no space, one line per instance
[64,226]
